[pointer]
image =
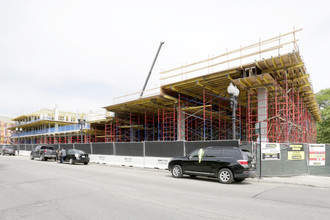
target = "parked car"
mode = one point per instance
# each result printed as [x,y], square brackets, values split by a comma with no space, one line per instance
[44,152]
[7,149]
[227,163]
[76,156]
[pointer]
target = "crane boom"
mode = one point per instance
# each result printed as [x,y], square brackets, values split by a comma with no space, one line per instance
[152,66]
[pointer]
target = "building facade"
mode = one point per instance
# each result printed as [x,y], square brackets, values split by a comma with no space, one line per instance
[50,127]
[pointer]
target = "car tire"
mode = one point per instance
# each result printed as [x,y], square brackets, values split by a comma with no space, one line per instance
[71,161]
[177,171]
[42,157]
[86,163]
[31,158]
[46,158]
[238,180]
[225,176]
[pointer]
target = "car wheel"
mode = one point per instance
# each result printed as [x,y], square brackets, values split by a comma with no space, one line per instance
[32,158]
[238,180]
[71,161]
[46,158]
[42,157]
[86,163]
[225,176]
[177,171]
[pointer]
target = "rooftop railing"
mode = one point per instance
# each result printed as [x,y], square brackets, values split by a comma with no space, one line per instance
[74,127]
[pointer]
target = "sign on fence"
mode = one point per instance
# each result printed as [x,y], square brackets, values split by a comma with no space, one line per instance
[317,154]
[270,151]
[296,152]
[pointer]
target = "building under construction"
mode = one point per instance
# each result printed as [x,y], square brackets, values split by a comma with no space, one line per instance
[48,126]
[276,102]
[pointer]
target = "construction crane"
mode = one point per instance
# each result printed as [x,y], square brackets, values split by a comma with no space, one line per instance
[152,66]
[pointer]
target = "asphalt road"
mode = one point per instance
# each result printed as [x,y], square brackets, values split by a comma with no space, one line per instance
[48,190]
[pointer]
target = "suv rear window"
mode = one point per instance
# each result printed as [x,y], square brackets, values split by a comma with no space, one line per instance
[47,148]
[9,147]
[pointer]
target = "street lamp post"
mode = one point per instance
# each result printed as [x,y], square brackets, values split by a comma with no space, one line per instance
[18,132]
[81,122]
[233,93]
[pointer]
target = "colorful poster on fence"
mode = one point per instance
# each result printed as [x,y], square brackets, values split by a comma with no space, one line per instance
[270,151]
[296,152]
[316,154]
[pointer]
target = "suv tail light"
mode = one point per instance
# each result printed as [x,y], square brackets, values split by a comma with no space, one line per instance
[243,163]
[45,151]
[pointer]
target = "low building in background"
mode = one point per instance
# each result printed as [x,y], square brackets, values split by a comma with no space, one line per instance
[50,127]
[5,134]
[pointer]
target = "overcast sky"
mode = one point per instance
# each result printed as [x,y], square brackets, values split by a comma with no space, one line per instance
[81,54]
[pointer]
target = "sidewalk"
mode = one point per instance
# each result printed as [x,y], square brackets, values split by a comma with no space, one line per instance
[303,180]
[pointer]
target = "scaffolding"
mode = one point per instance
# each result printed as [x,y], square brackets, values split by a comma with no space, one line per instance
[275,92]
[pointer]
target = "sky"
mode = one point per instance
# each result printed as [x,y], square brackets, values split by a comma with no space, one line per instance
[80,54]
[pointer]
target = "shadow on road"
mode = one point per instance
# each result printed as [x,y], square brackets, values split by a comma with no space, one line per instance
[208,179]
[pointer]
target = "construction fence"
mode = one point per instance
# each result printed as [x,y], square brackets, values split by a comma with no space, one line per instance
[291,159]
[276,159]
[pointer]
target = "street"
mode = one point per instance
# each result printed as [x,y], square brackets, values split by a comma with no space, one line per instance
[49,190]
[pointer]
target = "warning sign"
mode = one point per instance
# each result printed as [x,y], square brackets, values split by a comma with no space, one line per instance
[316,154]
[270,151]
[296,152]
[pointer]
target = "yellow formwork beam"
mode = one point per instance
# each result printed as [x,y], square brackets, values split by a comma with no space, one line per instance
[274,62]
[245,79]
[207,87]
[266,80]
[256,63]
[194,107]
[281,60]
[241,81]
[266,64]
[289,67]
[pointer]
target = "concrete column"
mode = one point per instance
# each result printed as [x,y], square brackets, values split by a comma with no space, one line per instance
[181,135]
[263,113]
[56,113]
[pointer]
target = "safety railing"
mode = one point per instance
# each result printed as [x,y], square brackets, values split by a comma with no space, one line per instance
[283,43]
[51,130]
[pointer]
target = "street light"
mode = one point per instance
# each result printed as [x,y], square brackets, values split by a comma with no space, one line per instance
[81,122]
[18,131]
[233,93]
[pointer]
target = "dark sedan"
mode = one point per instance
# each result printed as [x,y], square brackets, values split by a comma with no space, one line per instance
[7,149]
[76,156]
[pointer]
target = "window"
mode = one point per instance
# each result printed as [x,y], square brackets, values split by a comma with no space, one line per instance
[211,152]
[194,153]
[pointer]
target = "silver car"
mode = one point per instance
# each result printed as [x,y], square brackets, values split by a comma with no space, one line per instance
[7,149]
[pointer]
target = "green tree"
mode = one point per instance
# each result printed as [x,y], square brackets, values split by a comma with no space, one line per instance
[323,127]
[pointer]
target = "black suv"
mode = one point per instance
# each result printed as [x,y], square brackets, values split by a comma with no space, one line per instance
[226,163]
